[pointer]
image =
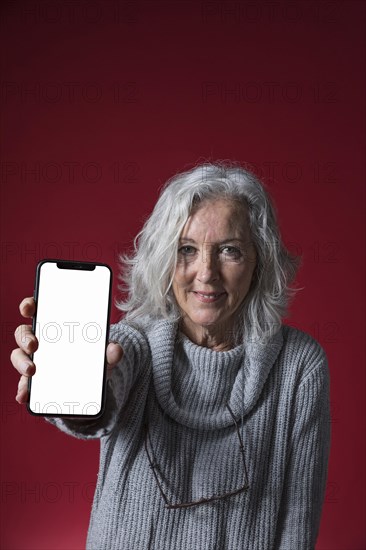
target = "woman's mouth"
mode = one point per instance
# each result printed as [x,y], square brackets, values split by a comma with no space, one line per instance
[208,297]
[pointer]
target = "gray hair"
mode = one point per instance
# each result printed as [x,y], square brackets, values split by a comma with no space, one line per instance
[148,272]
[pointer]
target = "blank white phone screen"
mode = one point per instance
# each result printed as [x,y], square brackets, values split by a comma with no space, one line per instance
[71,325]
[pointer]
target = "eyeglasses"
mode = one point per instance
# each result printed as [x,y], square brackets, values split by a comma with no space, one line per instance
[171,506]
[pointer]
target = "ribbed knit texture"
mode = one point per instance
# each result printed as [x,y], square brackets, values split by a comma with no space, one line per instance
[279,393]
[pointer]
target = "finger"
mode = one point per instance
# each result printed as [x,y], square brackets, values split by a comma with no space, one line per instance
[114,354]
[22,362]
[25,338]
[27,307]
[22,394]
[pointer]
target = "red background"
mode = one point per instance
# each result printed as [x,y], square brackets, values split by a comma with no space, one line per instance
[102,102]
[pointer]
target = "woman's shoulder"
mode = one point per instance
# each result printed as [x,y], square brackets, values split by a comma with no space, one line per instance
[140,331]
[302,348]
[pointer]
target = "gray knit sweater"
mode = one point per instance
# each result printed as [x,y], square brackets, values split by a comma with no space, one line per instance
[278,392]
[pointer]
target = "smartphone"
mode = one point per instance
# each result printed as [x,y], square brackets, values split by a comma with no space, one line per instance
[71,324]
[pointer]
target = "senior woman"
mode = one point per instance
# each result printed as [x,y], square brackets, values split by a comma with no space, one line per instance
[216,429]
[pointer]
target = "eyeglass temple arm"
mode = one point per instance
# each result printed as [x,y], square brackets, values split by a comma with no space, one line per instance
[241,444]
[153,466]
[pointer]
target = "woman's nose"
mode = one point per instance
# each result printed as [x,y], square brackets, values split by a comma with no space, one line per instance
[207,269]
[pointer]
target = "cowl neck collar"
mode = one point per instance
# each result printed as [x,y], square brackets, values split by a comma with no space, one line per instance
[253,367]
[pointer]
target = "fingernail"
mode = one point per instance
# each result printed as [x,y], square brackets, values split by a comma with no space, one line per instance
[28,368]
[30,343]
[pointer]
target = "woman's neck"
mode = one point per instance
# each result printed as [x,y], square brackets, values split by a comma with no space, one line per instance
[215,338]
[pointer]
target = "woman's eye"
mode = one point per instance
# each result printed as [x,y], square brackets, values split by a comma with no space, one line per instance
[186,250]
[231,252]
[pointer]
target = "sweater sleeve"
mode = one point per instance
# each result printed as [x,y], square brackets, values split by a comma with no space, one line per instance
[119,385]
[306,472]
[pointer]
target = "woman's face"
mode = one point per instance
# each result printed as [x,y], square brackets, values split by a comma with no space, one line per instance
[216,260]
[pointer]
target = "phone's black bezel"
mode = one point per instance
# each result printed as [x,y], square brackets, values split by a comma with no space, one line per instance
[82,265]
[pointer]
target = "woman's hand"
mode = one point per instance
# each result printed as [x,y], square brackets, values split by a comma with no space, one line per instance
[28,344]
